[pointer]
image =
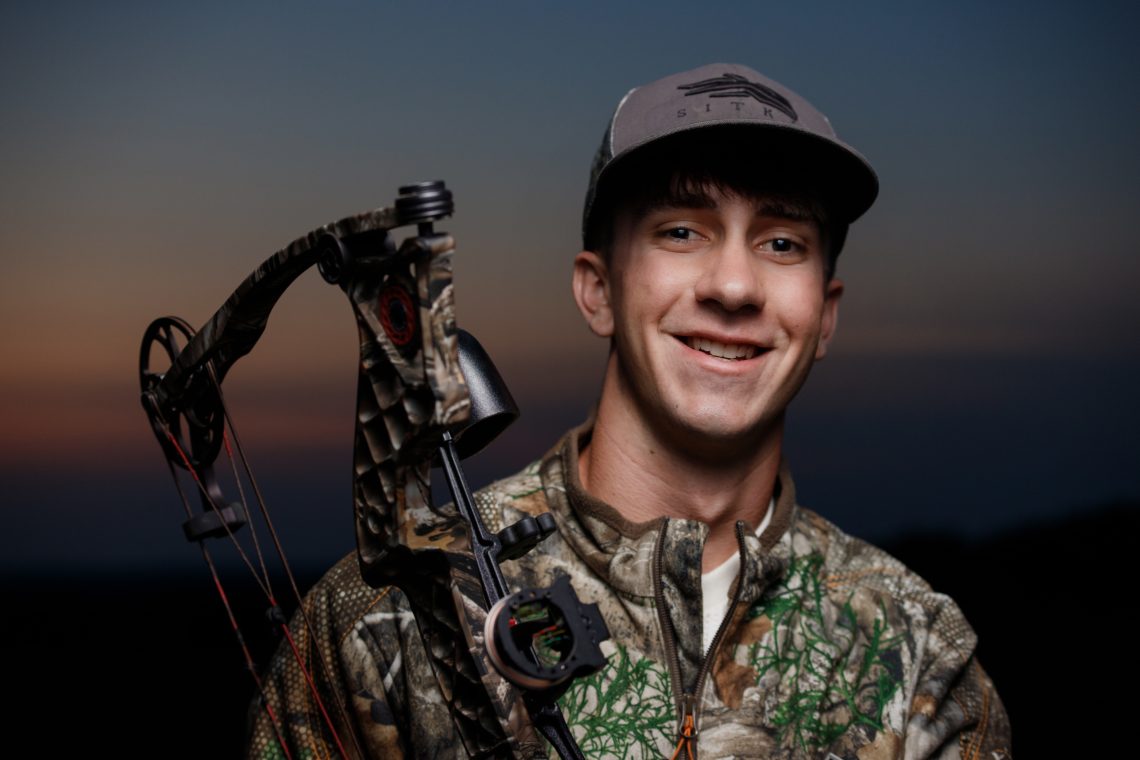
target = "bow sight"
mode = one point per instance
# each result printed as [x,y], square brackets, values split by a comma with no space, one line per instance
[427,392]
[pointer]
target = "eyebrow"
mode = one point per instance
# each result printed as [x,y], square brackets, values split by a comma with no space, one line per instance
[769,206]
[795,212]
[678,200]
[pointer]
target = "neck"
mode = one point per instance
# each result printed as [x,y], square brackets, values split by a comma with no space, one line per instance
[646,473]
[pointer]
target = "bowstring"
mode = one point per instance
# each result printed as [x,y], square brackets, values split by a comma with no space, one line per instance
[309,627]
[262,584]
[245,503]
[216,509]
[250,665]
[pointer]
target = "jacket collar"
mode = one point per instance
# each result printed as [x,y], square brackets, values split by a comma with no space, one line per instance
[621,552]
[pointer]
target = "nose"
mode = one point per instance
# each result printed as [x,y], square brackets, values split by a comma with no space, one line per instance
[730,277]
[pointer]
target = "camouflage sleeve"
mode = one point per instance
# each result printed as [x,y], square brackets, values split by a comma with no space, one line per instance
[956,713]
[352,653]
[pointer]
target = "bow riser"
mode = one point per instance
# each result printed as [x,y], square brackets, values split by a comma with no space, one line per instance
[410,392]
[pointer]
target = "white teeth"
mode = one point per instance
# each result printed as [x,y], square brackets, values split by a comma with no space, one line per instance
[722,350]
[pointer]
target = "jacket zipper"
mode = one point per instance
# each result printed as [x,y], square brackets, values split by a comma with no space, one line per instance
[688,722]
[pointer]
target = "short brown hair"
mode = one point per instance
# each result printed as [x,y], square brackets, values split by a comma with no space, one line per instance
[685,169]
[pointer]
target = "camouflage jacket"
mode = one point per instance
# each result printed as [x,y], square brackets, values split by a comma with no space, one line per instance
[831,648]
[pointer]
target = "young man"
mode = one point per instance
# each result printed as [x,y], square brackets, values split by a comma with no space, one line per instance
[742,624]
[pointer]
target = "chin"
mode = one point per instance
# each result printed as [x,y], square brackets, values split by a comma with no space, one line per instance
[721,433]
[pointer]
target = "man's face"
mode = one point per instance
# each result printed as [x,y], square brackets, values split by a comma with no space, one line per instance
[717,310]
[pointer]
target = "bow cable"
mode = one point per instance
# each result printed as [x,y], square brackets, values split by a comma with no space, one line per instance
[262,580]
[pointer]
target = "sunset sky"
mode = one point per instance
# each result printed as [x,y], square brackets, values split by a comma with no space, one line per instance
[986,369]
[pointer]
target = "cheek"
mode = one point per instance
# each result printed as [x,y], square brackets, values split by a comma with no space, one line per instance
[647,289]
[802,310]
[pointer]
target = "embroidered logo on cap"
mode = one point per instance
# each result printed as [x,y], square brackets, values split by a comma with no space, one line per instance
[736,86]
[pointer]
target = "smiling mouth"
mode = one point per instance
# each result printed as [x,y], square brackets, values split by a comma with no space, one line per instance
[729,351]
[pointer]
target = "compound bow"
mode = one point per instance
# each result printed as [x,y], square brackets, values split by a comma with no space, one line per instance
[498,674]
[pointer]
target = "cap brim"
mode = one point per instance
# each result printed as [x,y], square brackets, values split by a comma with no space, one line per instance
[840,174]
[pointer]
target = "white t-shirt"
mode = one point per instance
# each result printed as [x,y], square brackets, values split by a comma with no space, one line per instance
[716,583]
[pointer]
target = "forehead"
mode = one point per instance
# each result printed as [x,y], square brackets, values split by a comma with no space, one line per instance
[788,207]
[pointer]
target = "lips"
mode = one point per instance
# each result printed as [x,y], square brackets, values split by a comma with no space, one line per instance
[729,351]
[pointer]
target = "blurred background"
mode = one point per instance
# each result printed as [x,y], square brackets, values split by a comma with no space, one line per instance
[977,415]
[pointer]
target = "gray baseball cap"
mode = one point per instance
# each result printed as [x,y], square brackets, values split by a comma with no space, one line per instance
[748,109]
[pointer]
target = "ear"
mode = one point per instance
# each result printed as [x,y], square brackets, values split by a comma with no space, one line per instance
[591,286]
[830,315]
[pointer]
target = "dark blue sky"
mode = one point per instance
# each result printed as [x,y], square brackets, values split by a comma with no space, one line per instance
[984,372]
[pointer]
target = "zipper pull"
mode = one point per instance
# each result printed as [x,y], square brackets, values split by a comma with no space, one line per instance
[688,730]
